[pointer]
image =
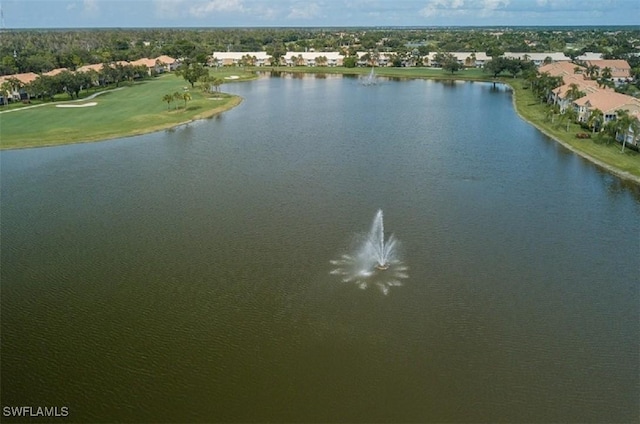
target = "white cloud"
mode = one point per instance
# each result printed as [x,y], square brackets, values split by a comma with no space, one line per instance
[213,6]
[90,7]
[168,8]
[304,11]
[495,4]
[442,8]
[172,9]
[489,7]
[449,8]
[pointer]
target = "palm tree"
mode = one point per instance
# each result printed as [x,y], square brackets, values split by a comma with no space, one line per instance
[571,115]
[186,97]
[177,96]
[554,110]
[605,78]
[167,98]
[549,112]
[593,71]
[574,92]
[205,82]
[596,117]
[217,82]
[627,125]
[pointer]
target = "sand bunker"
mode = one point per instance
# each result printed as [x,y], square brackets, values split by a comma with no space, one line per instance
[82,105]
[232,77]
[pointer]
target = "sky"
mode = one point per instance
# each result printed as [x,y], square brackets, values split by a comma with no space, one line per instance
[314,13]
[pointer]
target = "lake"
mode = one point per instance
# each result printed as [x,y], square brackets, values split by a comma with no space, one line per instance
[186,275]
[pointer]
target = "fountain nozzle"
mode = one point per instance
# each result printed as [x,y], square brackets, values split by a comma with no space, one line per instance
[382,267]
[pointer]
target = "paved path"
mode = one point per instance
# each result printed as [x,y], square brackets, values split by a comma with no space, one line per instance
[93,96]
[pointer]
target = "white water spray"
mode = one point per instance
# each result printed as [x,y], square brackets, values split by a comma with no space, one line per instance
[375,261]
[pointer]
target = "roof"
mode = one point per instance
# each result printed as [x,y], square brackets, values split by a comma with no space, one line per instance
[462,56]
[609,101]
[590,56]
[585,85]
[168,60]
[561,69]
[619,68]
[314,55]
[240,55]
[54,72]
[95,67]
[538,57]
[25,78]
[149,63]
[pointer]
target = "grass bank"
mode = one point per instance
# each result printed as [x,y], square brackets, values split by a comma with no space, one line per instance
[607,155]
[390,72]
[135,109]
[139,109]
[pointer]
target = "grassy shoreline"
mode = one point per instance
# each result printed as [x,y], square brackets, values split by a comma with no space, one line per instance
[606,156]
[139,110]
[131,110]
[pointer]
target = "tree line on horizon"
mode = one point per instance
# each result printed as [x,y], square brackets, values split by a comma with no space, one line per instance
[43,50]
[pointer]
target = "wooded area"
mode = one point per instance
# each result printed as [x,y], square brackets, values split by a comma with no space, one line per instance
[43,50]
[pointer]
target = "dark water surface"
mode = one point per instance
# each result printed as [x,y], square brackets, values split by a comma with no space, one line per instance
[184,276]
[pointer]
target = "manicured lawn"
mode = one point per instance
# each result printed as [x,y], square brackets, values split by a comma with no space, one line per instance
[431,73]
[135,109]
[597,147]
[139,108]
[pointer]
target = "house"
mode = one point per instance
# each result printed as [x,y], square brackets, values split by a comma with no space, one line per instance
[374,59]
[562,95]
[538,59]
[55,72]
[330,59]
[151,65]
[168,63]
[86,68]
[562,69]
[620,69]
[608,101]
[468,59]
[589,56]
[16,92]
[240,59]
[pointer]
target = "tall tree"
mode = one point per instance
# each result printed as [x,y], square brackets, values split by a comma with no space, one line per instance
[192,72]
[571,115]
[186,97]
[495,66]
[627,125]
[595,120]
[168,98]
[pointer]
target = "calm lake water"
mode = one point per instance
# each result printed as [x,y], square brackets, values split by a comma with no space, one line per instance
[185,276]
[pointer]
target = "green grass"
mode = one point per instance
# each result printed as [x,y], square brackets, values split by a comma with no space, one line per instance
[609,154]
[606,154]
[135,109]
[392,72]
[139,109]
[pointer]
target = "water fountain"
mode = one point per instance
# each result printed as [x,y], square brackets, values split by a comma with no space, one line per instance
[376,261]
[370,79]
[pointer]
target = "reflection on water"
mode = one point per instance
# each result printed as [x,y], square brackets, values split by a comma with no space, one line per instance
[183,276]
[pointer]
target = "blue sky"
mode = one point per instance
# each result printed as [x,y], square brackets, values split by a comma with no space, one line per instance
[225,13]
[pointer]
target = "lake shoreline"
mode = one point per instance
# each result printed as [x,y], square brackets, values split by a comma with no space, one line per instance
[208,114]
[386,73]
[609,168]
